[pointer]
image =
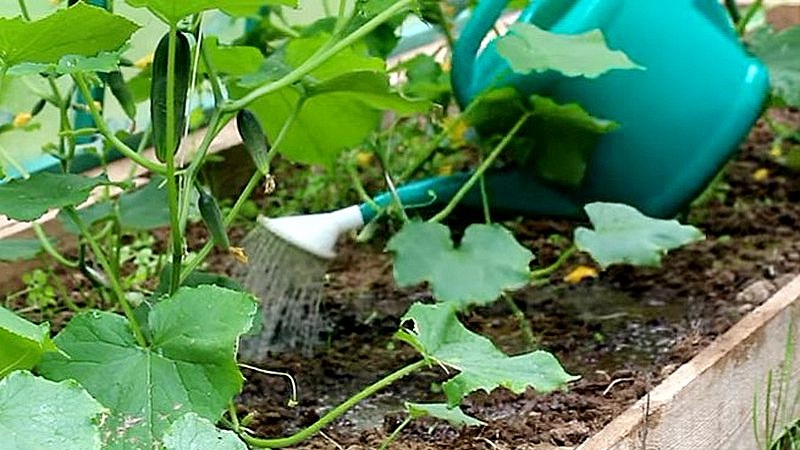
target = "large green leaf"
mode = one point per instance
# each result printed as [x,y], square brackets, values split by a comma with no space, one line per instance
[529,48]
[453,415]
[78,30]
[19,249]
[235,60]
[781,53]
[440,337]
[192,432]
[22,343]
[27,200]
[172,11]
[564,138]
[69,64]
[623,235]
[487,262]
[189,366]
[345,101]
[37,414]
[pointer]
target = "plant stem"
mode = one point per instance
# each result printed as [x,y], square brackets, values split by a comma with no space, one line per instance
[335,412]
[733,11]
[318,58]
[522,321]
[48,247]
[480,171]
[24,8]
[116,288]
[173,195]
[741,26]
[392,437]
[128,152]
[549,270]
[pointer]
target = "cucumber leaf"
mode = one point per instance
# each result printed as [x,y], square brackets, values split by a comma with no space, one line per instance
[19,249]
[528,48]
[192,432]
[441,338]
[623,235]
[487,262]
[172,11]
[781,53]
[28,199]
[80,30]
[40,414]
[453,415]
[22,343]
[234,60]
[189,366]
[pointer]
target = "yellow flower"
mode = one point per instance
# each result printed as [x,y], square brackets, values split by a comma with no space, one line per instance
[22,119]
[776,151]
[364,159]
[239,254]
[445,170]
[456,131]
[580,273]
[761,174]
[144,62]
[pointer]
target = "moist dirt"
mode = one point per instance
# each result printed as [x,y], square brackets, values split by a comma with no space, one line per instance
[622,332]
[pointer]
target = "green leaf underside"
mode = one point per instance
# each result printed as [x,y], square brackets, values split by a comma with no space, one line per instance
[27,200]
[19,249]
[623,235]
[172,11]
[39,414]
[487,262]
[192,432]
[81,30]
[70,64]
[347,97]
[438,334]
[528,48]
[454,416]
[22,343]
[231,60]
[190,365]
[781,53]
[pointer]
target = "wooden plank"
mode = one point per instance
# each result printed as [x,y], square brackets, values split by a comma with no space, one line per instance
[708,403]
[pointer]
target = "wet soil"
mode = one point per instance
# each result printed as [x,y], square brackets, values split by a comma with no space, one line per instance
[622,332]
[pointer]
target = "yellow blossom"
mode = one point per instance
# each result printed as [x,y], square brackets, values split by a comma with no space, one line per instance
[445,170]
[239,254]
[22,119]
[364,159]
[144,62]
[580,273]
[761,174]
[776,151]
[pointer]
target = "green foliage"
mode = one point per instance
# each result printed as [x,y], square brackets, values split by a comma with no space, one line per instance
[192,432]
[189,365]
[19,249]
[426,79]
[50,39]
[442,339]
[23,342]
[781,53]
[623,235]
[453,415]
[487,262]
[234,60]
[161,93]
[529,48]
[40,414]
[28,199]
[172,11]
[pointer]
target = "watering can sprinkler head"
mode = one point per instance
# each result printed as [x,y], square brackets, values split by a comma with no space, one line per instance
[315,233]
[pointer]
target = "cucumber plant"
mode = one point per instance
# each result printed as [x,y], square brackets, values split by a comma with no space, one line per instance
[159,371]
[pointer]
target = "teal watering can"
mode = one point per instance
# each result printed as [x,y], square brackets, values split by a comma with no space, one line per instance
[680,119]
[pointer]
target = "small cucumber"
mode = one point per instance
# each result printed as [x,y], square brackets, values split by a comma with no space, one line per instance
[212,217]
[254,139]
[158,92]
[38,107]
[121,92]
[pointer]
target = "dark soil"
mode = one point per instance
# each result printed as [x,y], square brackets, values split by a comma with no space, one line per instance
[622,333]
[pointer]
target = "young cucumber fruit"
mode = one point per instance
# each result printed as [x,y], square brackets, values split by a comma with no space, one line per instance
[254,139]
[158,92]
[212,217]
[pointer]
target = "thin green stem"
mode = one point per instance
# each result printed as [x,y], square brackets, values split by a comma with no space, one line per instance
[741,26]
[522,321]
[393,437]
[47,246]
[114,282]
[549,270]
[234,417]
[733,11]
[173,194]
[123,148]
[485,165]
[341,18]
[318,58]
[23,7]
[335,412]
[201,255]
[213,76]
